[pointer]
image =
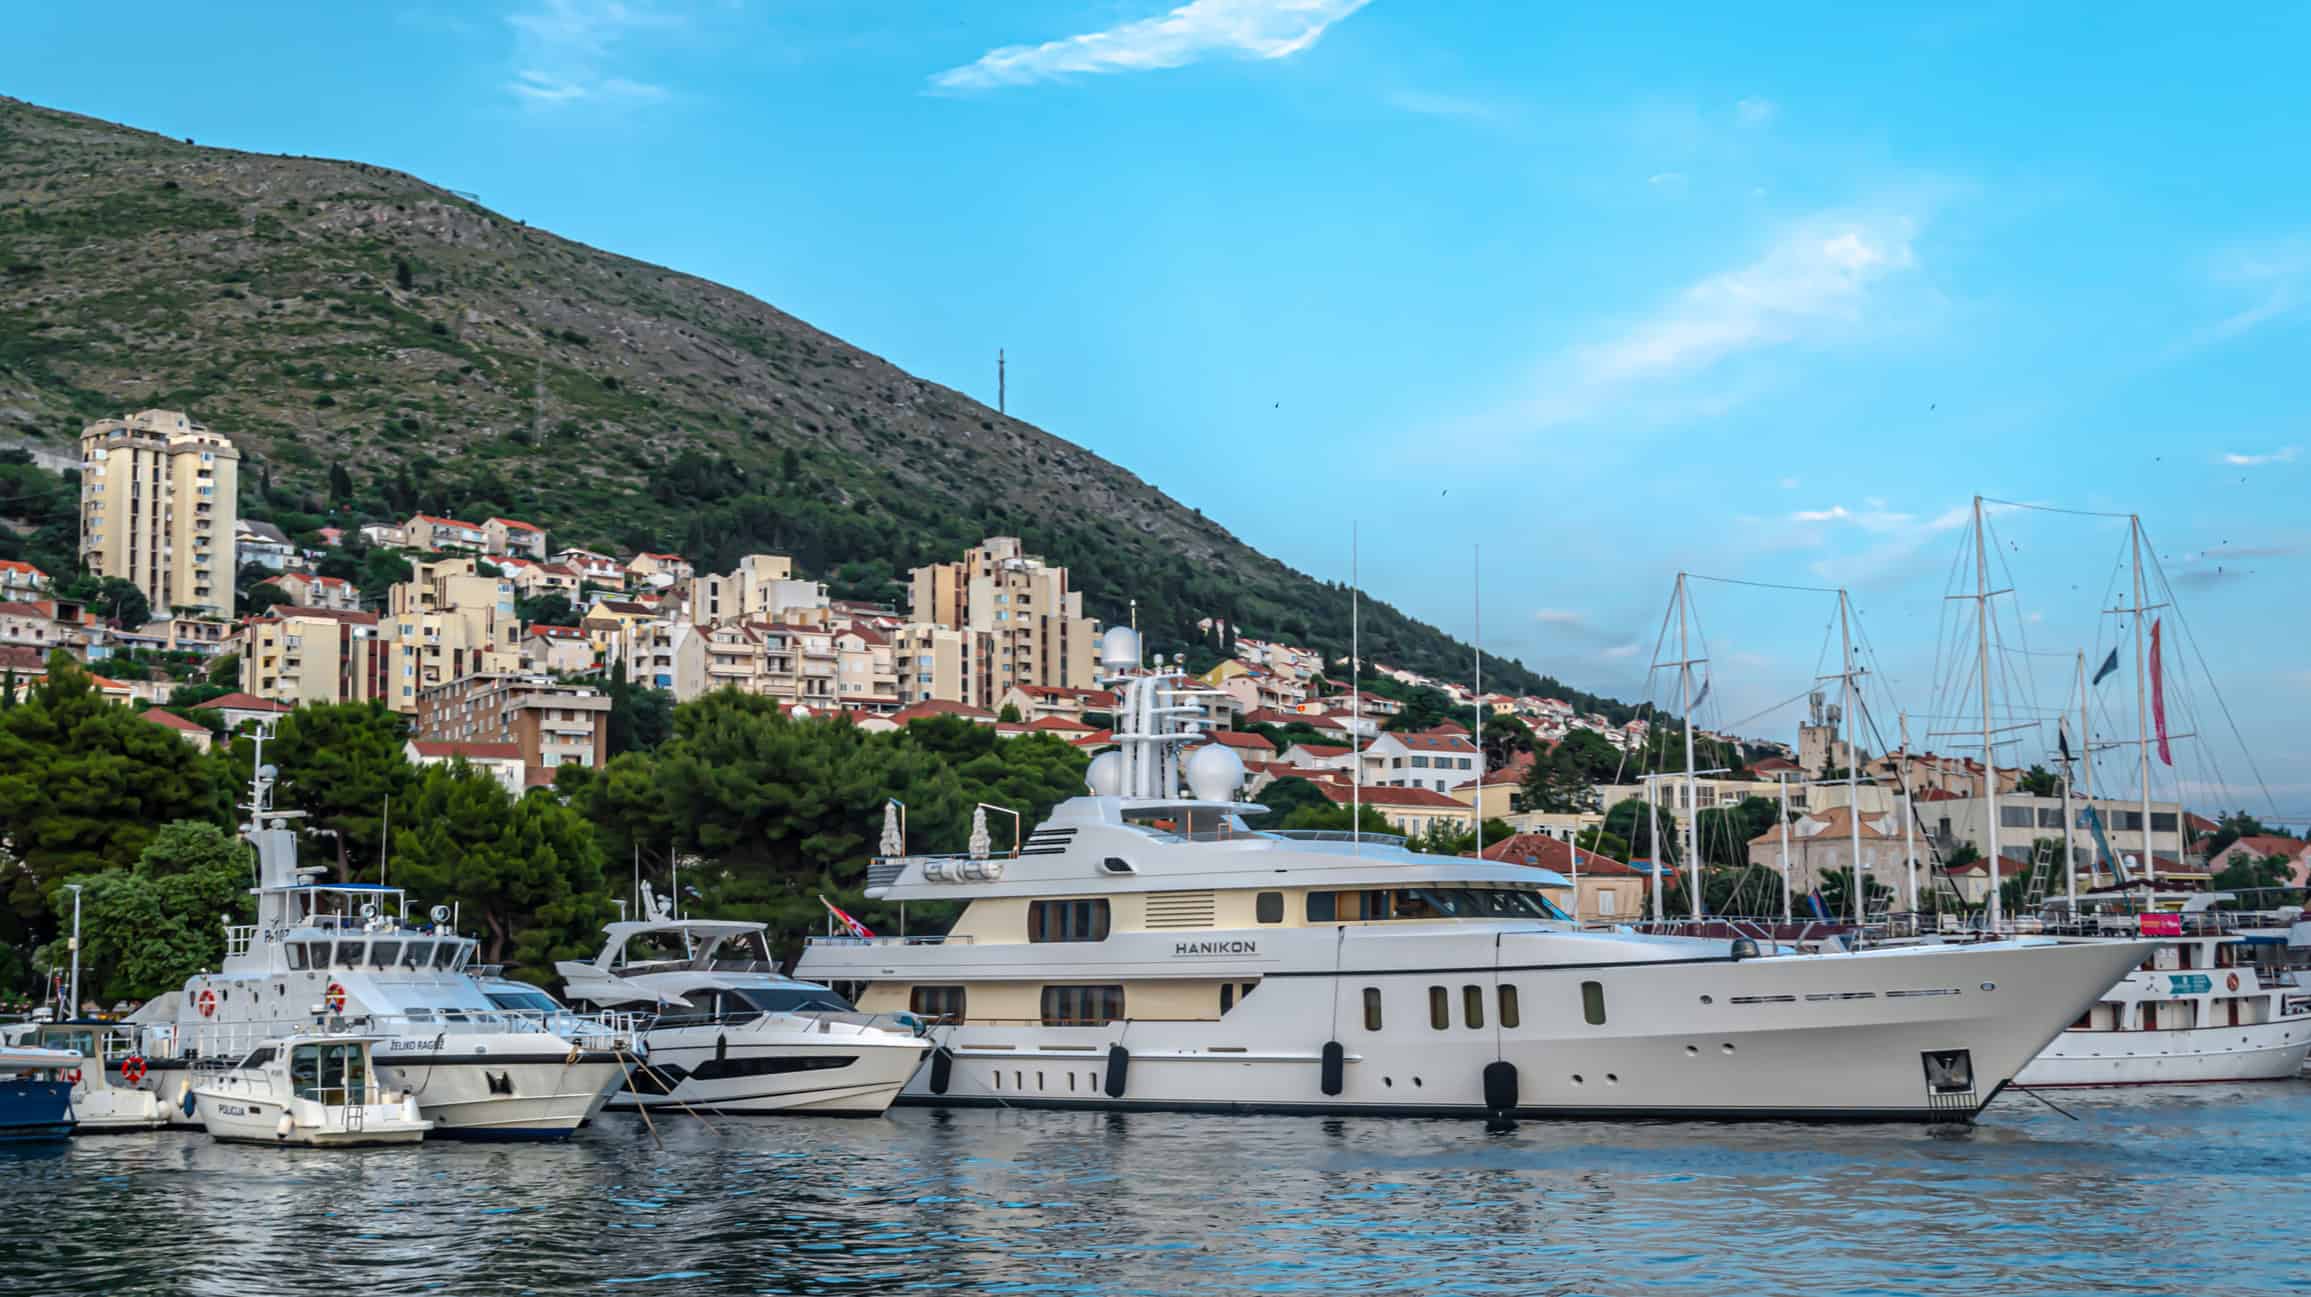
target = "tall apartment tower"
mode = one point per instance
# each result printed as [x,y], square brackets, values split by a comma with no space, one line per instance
[159,495]
[1028,623]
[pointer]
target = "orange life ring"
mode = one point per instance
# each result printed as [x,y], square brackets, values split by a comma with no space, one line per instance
[207,999]
[132,1069]
[2232,981]
[73,1076]
[334,997]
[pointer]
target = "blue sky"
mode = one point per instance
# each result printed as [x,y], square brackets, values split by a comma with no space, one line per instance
[1768,295]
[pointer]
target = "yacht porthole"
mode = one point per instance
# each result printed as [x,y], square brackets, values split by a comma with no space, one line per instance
[1612,1078]
[1693,1051]
[1706,1000]
[1416,1081]
[1389,1081]
[1727,1048]
[1987,986]
[1576,1078]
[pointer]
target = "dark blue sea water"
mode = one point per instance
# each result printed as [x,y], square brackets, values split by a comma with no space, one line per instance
[2186,1191]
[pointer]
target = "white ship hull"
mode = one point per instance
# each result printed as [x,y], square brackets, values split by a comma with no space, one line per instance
[116,1108]
[2268,1051]
[1796,1037]
[844,1073]
[240,1119]
[474,1098]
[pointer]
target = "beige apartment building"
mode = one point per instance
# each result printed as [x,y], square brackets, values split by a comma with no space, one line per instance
[930,661]
[553,724]
[1036,633]
[159,495]
[445,623]
[297,655]
[761,588]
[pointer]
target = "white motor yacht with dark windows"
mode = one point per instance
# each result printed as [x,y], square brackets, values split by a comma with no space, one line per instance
[1147,949]
[341,953]
[730,1033]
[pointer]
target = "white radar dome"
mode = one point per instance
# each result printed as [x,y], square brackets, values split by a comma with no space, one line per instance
[1104,776]
[1119,647]
[1215,773]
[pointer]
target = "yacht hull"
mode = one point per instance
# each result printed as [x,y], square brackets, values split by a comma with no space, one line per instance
[734,1071]
[480,1097]
[2267,1051]
[1889,1036]
[238,1119]
[32,1110]
[115,1109]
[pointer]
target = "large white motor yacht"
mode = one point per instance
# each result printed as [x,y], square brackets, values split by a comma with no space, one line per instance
[730,1033]
[1144,948]
[2198,1008]
[343,955]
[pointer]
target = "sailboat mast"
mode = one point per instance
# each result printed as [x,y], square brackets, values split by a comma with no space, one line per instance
[1692,799]
[1989,764]
[1909,818]
[1355,702]
[1476,611]
[2150,866]
[2069,819]
[2086,756]
[1853,758]
[1652,837]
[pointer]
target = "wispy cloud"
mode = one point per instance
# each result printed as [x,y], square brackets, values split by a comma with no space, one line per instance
[1815,284]
[1755,112]
[1430,104]
[2275,278]
[2284,455]
[563,51]
[1197,30]
[1898,547]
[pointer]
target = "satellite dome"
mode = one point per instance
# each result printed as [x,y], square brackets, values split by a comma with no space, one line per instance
[1215,773]
[1104,776]
[1119,648]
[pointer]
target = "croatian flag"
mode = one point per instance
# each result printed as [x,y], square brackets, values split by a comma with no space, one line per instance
[842,917]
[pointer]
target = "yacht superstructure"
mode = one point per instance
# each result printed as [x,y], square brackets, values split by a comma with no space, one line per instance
[728,1032]
[345,955]
[1145,948]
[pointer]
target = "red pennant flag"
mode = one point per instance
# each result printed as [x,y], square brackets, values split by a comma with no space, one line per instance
[2159,697]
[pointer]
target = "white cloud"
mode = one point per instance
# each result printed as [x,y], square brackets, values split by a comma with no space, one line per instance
[2276,274]
[563,50]
[1559,617]
[1622,650]
[1199,29]
[1754,111]
[2284,455]
[1902,539]
[1813,285]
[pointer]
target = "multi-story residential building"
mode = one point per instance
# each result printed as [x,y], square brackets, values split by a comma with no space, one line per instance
[442,535]
[1034,702]
[1037,632]
[550,724]
[532,579]
[309,590]
[384,535]
[707,658]
[658,569]
[594,569]
[935,662]
[158,500]
[866,668]
[556,649]
[20,580]
[762,587]
[261,544]
[203,635]
[297,655]
[1436,762]
[447,622]
[1410,811]
[500,761]
[44,625]
[513,538]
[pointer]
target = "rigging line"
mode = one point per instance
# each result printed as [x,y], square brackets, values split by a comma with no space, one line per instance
[1910,803]
[1794,699]
[2200,655]
[1762,585]
[2050,508]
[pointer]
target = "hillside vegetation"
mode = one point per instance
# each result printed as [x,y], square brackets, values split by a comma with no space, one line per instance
[337,316]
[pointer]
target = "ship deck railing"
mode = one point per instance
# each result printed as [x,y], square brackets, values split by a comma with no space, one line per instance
[922,939]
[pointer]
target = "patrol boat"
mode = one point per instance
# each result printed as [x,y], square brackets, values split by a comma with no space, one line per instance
[320,1090]
[1146,948]
[345,953]
[730,1033]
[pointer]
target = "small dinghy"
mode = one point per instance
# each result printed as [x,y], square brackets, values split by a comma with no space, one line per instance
[319,1090]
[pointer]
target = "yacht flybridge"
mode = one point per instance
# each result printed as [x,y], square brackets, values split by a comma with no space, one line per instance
[729,1032]
[344,955]
[1145,948]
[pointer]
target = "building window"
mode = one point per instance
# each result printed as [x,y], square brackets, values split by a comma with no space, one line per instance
[1372,1008]
[1439,1008]
[1067,920]
[1593,1003]
[1472,1006]
[1508,1006]
[937,1003]
[1268,907]
[2016,817]
[1082,1006]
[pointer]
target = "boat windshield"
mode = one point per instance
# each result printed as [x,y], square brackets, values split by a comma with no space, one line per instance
[798,998]
[527,998]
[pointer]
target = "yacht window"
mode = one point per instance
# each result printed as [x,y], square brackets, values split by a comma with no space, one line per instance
[1268,907]
[1439,1008]
[1227,996]
[1472,1005]
[1508,1006]
[349,953]
[296,952]
[1322,906]
[385,954]
[1593,1003]
[1067,920]
[445,954]
[799,997]
[937,1003]
[258,1057]
[416,953]
[420,1015]
[1081,1006]
[1372,1008]
[528,999]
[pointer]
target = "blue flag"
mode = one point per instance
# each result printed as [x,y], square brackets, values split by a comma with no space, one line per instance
[2109,664]
[1813,900]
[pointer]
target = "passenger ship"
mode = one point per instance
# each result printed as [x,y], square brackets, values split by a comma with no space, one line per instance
[1145,948]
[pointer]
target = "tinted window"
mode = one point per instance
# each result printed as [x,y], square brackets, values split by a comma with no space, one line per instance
[1593,1003]
[1269,907]
[937,1003]
[1081,1006]
[296,953]
[1067,920]
[1472,1005]
[792,999]
[417,953]
[385,954]
[1439,1008]
[1321,907]
[1508,1006]
[349,953]
[1372,1008]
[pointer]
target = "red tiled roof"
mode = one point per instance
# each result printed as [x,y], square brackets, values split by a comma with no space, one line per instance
[1056,724]
[170,720]
[1319,749]
[1095,739]
[939,707]
[516,523]
[1089,696]
[1239,739]
[1772,765]
[443,522]
[19,565]
[1435,742]
[664,558]
[21,657]
[240,702]
[1544,852]
[283,610]
[445,749]
[2269,844]
[1374,795]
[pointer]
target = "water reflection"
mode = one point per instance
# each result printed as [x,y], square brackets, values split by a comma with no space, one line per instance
[2147,1191]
